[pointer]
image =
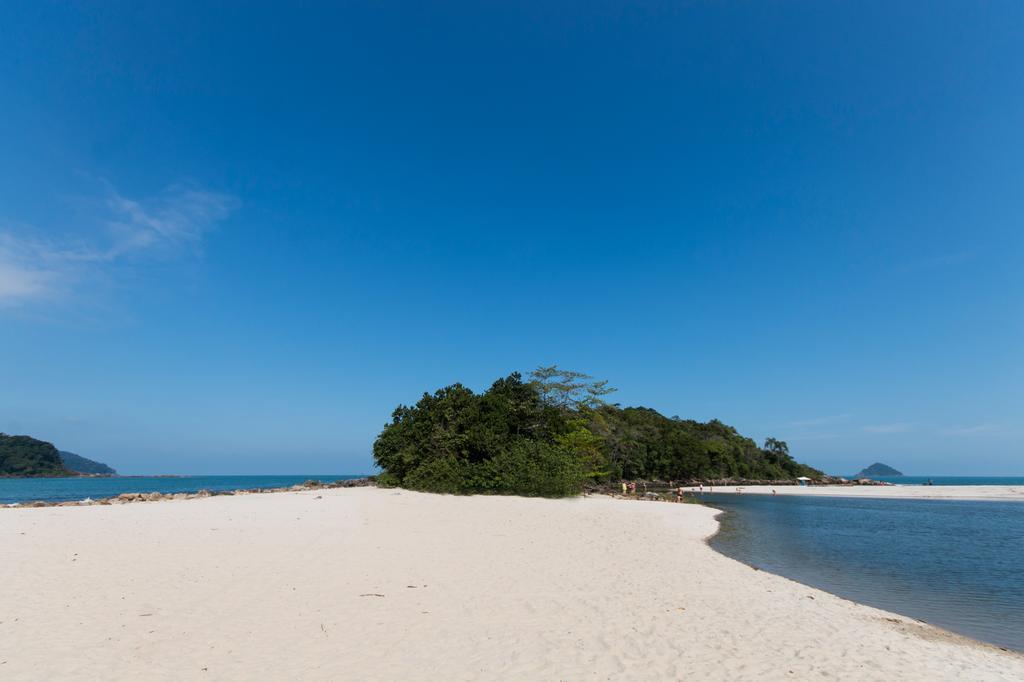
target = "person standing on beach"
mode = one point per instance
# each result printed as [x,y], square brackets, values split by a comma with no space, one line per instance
[625,488]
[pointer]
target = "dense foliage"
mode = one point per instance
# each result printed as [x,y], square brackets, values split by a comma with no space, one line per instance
[506,440]
[26,456]
[83,465]
[551,435]
[641,443]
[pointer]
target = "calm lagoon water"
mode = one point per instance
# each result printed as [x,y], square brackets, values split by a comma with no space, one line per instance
[955,564]
[63,489]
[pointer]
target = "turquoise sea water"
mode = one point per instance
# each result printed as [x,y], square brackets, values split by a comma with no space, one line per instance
[64,489]
[955,564]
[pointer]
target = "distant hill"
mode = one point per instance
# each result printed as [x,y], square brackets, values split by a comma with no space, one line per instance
[878,469]
[82,465]
[26,456]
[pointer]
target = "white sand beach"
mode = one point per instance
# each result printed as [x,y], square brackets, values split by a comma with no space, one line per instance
[367,584]
[916,492]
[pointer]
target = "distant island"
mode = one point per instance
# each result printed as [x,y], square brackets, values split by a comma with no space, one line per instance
[877,469]
[553,435]
[24,456]
[83,465]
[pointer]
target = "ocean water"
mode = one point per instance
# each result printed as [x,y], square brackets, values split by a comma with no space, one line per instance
[953,480]
[64,489]
[955,564]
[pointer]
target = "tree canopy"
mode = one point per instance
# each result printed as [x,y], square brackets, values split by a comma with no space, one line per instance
[569,390]
[551,435]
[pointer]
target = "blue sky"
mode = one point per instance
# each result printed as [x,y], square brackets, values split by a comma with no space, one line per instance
[233,236]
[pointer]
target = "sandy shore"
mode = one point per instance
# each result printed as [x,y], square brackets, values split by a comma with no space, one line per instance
[917,492]
[368,584]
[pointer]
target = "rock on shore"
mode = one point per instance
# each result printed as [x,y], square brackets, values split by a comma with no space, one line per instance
[129,498]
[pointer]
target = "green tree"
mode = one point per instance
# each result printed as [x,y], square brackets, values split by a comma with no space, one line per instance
[569,390]
[552,434]
[776,447]
[506,440]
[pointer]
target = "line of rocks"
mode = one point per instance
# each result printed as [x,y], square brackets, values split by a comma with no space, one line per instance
[130,498]
[824,480]
[663,486]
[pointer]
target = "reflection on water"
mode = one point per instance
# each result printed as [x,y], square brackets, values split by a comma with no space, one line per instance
[955,564]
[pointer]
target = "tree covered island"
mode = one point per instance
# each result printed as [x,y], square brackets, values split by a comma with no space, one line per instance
[26,456]
[552,435]
[877,469]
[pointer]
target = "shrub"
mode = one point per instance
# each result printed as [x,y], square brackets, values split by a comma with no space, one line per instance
[536,468]
[441,475]
[387,480]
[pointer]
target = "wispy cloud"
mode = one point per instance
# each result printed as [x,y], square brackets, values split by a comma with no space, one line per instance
[180,216]
[22,275]
[898,427]
[33,269]
[819,421]
[809,436]
[969,430]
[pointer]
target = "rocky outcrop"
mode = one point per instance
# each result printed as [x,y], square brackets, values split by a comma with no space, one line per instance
[131,498]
